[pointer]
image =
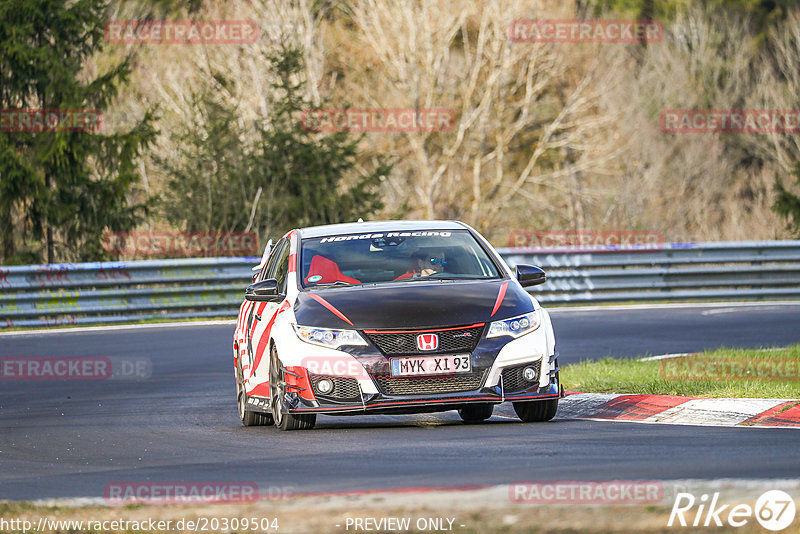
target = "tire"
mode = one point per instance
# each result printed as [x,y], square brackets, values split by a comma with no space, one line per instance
[475,413]
[248,418]
[536,411]
[277,385]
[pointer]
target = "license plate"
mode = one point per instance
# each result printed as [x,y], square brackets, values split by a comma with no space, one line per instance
[445,364]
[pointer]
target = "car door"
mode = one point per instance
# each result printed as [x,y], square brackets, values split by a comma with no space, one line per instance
[259,320]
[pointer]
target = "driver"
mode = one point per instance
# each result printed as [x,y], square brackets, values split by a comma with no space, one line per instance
[423,264]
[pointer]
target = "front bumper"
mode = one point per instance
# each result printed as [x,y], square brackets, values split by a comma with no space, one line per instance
[416,405]
[362,385]
[377,403]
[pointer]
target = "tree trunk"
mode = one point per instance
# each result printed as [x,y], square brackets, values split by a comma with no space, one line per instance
[7,229]
[48,225]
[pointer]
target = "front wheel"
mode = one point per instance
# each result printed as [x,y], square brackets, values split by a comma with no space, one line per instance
[246,417]
[536,411]
[475,413]
[277,392]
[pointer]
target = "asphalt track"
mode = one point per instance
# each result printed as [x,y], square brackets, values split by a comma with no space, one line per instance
[71,438]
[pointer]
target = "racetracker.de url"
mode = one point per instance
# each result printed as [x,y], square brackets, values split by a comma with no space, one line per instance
[199,524]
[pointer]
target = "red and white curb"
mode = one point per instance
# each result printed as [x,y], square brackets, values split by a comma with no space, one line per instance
[667,409]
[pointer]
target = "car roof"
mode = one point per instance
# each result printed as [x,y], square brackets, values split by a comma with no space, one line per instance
[378,226]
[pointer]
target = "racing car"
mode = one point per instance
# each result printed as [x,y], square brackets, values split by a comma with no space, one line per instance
[391,317]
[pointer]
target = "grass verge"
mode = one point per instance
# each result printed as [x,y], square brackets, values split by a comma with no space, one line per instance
[745,373]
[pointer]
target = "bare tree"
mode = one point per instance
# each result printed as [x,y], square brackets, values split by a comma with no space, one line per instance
[518,106]
[547,135]
[777,90]
[692,186]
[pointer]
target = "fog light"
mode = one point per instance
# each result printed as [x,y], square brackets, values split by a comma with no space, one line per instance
[529,374]
[325,386]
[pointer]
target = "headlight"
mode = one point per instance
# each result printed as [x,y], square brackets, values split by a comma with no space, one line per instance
[328,337]
[516,326]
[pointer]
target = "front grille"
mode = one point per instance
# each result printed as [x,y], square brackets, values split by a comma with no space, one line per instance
[344,389]
[430,385]
[405,343]
[513,379]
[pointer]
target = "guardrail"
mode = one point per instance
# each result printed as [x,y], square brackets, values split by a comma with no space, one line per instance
[749,270]
[122,291]
[107,292]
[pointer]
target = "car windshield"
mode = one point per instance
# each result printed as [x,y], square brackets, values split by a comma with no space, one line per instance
[393,257]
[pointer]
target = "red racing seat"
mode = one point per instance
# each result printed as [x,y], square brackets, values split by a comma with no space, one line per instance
[328,270]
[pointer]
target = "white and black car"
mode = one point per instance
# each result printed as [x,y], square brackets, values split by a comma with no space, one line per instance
[391,317]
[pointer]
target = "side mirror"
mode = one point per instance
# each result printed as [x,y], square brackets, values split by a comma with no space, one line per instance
[528,275]
[264,291]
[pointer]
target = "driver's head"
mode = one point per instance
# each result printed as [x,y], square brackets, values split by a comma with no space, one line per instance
[423,260]
[418,261]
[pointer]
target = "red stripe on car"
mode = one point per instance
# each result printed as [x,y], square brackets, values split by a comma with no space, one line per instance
[264,341]
[260,390]
[260,309]
[500,297]
[241,314]
[331,308]
[243,319]
[300,383]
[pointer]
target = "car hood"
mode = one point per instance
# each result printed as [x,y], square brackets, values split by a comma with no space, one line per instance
[412,304]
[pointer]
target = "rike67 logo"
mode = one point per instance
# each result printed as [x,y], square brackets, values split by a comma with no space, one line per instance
[774,510]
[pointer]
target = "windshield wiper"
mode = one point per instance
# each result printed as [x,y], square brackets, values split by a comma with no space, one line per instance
[337,283]
[428,278]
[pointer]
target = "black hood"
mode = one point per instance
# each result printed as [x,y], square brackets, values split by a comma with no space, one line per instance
[412,304]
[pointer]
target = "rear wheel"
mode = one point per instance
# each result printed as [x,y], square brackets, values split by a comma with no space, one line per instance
[277,391]
[246,417]
[476,413]
[536,411]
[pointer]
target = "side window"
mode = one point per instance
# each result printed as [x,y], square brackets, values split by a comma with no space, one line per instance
[282,270]
[262,274]
[273,259]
